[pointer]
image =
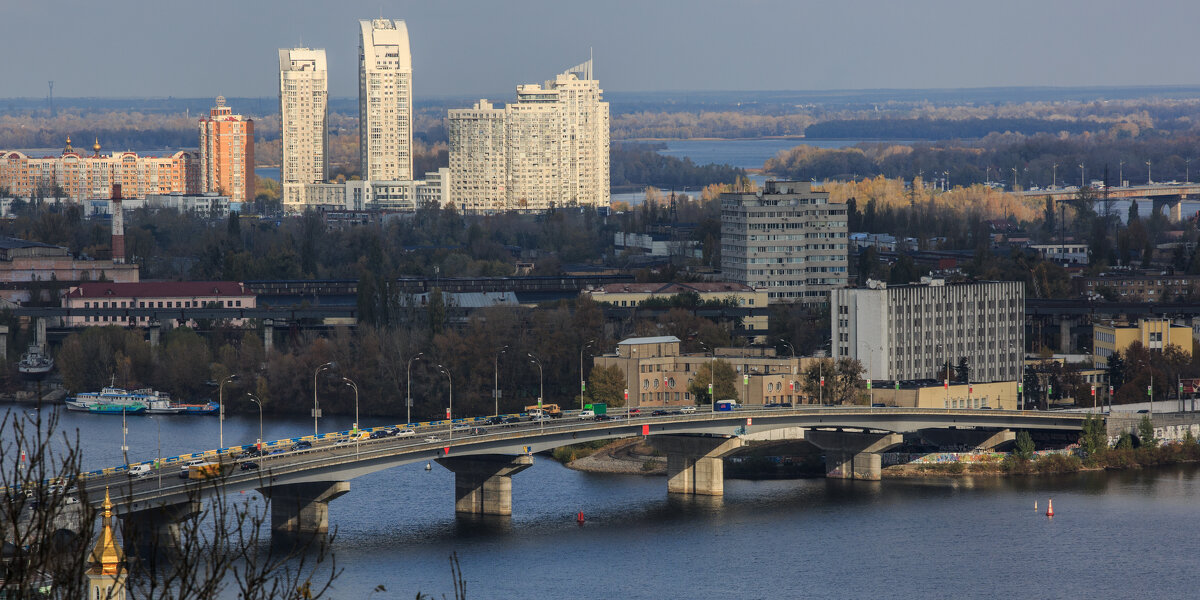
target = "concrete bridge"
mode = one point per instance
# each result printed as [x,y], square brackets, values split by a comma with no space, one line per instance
[300,482]
[1160,194]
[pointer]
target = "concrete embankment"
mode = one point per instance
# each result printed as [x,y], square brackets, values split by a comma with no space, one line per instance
[629,456]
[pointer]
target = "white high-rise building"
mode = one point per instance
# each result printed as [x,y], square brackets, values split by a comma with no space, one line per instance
[554,147]
[303,122]
[478,157]
[917,331]
[385,100]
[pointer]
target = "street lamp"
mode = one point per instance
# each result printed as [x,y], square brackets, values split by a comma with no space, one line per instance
[450,406]
[791,361]
[353,386]
[496,379]
[582,385]
[712,378]
[1121,174]
[1054,176]
[316,411]
[541,389]
[221,410]
[1149,179]
[1082,179]
[255,400]
[408,390]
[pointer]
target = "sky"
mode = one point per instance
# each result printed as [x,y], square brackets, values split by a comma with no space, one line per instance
[139,48]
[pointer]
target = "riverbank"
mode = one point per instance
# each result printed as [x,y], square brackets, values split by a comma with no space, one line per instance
[628,456]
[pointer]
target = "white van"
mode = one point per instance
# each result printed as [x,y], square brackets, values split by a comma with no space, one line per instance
[141,470]
[587,415]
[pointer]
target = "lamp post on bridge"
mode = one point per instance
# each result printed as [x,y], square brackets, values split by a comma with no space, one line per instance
[496,379]
[791,363]
[1149,179]
[316,410]
[255,400]
[450,406]
[354,429]
[221,410]
[408,390]
[541,390]
[582,383]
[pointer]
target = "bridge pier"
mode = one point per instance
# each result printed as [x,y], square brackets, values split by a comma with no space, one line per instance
[155,335]
[483,483]
[154,532]
[302,509]
[695,464]
[853,455]
[1174,203]
[268,332]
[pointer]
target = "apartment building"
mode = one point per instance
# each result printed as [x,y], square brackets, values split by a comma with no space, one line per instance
[303,122]
[786,238]
[385,100]
[1154,334]
[76,175]
[549,148]
[913,331]
[227,153]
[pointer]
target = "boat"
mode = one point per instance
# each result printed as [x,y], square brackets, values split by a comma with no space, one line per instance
[35,364]
[209,408]
[117,409]
[140,401]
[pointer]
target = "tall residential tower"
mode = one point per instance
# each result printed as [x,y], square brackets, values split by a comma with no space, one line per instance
[227,153]
[303,121]
[384,101]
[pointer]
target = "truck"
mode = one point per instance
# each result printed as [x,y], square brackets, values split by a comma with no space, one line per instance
[205,471]
[726,404]
[549,410]
[598,408]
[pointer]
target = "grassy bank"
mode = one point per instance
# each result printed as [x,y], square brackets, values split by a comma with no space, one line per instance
[566,454]
[1053,464]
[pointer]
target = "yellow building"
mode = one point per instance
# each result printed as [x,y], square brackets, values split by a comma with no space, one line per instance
[657,374]
[1154,334]
[997,394]
[79,176]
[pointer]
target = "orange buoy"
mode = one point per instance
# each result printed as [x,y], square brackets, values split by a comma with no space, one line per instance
[1050,508]
[1035,506]
[579,518]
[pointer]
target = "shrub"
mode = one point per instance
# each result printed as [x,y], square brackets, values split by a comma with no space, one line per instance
[1058,463]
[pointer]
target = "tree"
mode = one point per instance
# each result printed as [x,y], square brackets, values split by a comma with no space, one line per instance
[1095,435]
[1116,371]
[962,372]
[843,380]
[725,387]
[607,385]
[1146,433]
[1025,446]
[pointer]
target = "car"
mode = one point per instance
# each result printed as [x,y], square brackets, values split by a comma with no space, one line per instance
[635,411]
[141,470]
[603,418]
[251,453]
[496,420]
[340,441]
[512,420]
[302,445]
[878,405]
[1142,412]
[382,433]
[587,414]
[688,410]
[183,474]
[432,438]
[249,466]
[658,413]
[404,433]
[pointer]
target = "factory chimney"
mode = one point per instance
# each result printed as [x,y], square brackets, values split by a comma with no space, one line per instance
[118,227]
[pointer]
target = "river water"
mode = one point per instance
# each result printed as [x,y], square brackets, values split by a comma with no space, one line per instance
[1129,534]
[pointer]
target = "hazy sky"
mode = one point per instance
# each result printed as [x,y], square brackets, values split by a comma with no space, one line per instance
[486,47]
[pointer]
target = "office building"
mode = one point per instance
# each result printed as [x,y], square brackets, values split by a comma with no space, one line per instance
[303,122]
[549,148]
[227,153]
[914,331]
[786,238]
[78,176]
[1154,334]
[384,101]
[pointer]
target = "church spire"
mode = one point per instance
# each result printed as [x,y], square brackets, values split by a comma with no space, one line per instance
[106,577]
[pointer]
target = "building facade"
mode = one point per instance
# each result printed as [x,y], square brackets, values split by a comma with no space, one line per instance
[913,331]
[1154,334]
[209,206]
[549,148]
[227,154]
[303,121]
[37,272]
[658,374]
[79,176]
[384,100]
[153,294]
[478,157]
[1155,287]
[786,238]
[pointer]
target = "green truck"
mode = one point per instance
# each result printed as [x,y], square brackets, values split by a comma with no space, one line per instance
[598,408]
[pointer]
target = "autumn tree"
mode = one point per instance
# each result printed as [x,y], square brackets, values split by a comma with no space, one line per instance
[725,386]
[607,385]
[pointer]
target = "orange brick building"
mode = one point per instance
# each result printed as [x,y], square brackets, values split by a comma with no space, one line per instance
[227,154]
[81,176]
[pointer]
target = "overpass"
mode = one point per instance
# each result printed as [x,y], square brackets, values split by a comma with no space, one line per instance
[1161,194]
[301,481]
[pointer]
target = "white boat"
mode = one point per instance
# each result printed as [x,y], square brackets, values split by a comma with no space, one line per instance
[145,400]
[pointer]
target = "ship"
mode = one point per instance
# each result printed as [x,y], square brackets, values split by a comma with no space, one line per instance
[35,364]
[117,409]
[140,401]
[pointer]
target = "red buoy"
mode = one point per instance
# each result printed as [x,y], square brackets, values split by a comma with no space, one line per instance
[1050,508]
[579,518]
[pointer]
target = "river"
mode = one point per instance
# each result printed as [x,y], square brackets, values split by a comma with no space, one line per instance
[1114,534]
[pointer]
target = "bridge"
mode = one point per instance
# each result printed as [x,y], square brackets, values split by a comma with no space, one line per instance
[1160,194]
[301,479]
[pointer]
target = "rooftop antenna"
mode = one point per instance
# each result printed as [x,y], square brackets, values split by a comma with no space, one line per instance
[52,113]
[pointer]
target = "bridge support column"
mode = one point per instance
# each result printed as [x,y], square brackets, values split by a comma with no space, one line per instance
[154,532]
[268,332]
[1065,326]
[853,455]
[155,334]
[4,342]
[483,483]
[302,509]
[40,333]
[695,464]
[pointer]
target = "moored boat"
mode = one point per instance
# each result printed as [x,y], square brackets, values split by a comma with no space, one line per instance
[117,409]
[35,364]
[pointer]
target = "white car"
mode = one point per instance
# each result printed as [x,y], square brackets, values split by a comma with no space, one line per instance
[433,438]
[587,415]
[687,409]
[405,433]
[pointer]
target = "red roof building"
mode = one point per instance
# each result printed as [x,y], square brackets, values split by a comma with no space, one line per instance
[154,294]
